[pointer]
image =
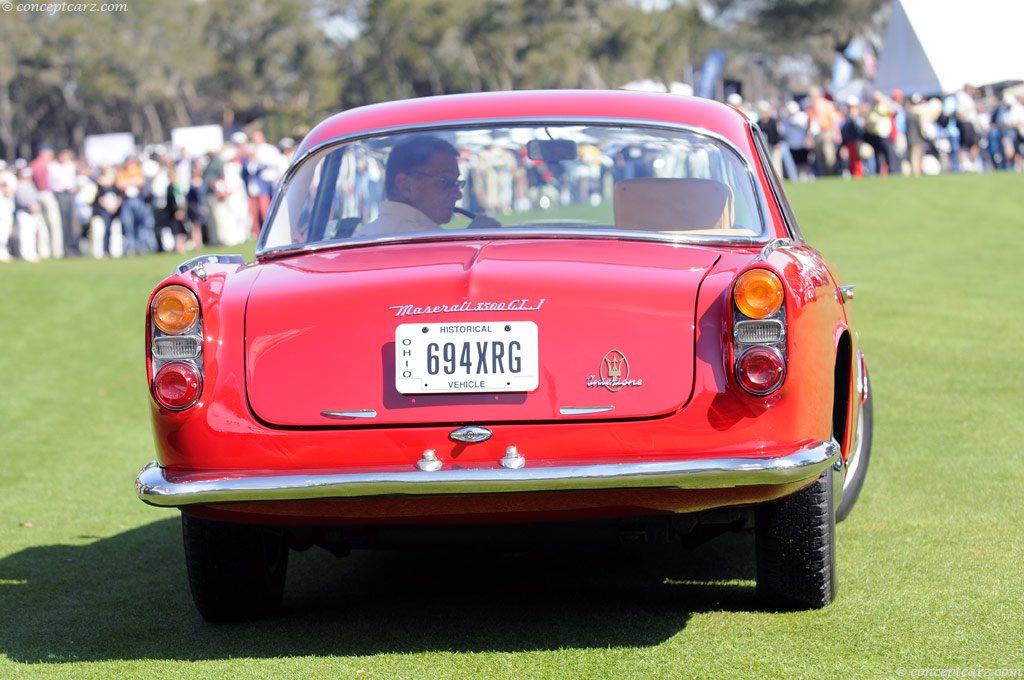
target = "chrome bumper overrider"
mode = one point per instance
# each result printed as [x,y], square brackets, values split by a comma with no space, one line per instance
[154,487]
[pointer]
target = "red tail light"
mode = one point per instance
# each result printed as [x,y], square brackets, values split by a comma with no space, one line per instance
[761,370]
[177,385]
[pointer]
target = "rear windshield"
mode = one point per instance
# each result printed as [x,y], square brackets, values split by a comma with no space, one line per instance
[572,179]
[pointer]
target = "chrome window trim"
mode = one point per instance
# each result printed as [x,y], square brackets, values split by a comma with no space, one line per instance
[263,253]
[198,261]
[771,247]
[775,183]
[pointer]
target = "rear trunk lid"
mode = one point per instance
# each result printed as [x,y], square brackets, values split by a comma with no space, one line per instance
[605,328]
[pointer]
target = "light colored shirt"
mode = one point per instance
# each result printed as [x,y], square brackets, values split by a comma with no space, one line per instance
[61,176]
[26,196]
[397,218]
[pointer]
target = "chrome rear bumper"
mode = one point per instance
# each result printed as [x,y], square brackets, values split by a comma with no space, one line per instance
[156,486]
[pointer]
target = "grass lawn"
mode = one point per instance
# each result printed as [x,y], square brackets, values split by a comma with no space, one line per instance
[92,581]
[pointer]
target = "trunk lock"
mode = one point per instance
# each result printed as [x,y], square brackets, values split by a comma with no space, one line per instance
[471,434]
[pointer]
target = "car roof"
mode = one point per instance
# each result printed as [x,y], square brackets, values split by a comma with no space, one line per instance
[589,105]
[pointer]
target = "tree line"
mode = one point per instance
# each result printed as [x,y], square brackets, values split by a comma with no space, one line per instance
[149,66]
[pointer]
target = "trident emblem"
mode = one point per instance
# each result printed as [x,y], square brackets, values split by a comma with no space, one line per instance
[614,367]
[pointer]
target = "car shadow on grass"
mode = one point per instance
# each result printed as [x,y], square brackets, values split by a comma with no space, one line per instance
[127,597]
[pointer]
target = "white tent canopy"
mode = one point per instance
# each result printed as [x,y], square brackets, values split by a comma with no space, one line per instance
[938,46]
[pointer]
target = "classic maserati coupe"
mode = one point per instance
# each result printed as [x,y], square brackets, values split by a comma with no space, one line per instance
[477,315]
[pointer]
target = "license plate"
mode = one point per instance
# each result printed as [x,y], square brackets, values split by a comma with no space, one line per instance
[495,356]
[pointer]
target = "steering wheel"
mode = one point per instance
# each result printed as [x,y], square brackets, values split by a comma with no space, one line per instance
[462,211]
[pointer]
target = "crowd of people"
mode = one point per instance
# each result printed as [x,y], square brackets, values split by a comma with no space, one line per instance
[967,131]
[59,205]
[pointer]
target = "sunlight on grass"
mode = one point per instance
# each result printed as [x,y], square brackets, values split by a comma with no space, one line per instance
[92,582]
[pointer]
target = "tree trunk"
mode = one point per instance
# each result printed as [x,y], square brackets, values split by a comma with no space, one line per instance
[7,139]
[473,66]
[68,92]
[156,126]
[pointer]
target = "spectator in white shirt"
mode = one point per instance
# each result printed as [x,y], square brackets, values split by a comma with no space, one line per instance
[62,180]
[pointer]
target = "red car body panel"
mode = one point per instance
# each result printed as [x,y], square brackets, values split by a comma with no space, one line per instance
[550,105]
[298,366]
[287,338]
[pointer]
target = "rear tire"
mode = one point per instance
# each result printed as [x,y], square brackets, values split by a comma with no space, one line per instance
[236,571]
[796,548]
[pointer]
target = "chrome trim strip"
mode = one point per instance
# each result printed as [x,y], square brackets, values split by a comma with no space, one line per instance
[583,410]
[364,413]
[853,458]
[772,246]
[152,485]
[200,260]
[513,233]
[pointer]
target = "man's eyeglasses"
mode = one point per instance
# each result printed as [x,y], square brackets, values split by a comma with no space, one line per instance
[445,181]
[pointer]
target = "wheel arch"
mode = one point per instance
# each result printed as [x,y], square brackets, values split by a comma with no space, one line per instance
[842,401]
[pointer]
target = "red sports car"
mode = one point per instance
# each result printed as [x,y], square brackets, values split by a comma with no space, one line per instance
[524,309]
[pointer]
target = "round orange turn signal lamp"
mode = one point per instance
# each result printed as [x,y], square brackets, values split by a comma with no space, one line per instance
[175,310]
[758,293]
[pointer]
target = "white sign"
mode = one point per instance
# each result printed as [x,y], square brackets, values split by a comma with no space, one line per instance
[197,139]
[109,149]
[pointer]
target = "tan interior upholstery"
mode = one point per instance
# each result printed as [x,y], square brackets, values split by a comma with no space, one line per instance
[673,204]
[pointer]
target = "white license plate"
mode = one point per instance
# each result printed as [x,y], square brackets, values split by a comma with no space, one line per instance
[491,356]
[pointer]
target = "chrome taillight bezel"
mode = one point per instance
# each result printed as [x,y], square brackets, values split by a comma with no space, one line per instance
[768,332]
[189,350]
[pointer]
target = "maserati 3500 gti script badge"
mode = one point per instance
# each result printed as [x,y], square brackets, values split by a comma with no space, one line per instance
[499,317]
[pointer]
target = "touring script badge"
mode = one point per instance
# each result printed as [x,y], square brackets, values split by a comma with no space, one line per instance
[469,306]
[614,373]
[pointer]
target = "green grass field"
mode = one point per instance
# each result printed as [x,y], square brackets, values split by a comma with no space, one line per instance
[92,581]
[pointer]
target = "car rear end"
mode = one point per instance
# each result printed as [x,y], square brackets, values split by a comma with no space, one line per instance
[636,339]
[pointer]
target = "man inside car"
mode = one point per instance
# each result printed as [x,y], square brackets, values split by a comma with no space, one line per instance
[422,186]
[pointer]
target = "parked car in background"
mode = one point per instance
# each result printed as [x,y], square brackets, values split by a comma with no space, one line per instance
[522,309]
